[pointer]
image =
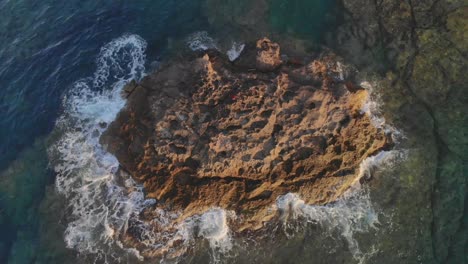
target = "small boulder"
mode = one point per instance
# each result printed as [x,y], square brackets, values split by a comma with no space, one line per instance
[268,55]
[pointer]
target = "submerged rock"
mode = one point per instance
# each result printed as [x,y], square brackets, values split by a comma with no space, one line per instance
[418,48]
[203,132]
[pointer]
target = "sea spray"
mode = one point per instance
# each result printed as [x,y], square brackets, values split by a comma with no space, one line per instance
[201,41]
[383,158]
[86,174]
[351,214]
[371,107]
[106,203]
[211,225]
[235,51]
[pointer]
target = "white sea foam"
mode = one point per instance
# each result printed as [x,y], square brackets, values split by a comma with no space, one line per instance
[86,173]
[235,51]
[201,41]
[353,213]
[213,226]
[372,108]
[383,158]
[104,204]
[349,215]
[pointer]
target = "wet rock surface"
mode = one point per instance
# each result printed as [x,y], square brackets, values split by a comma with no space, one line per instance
[202,132]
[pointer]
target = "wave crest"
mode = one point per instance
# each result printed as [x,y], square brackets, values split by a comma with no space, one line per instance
[86,173]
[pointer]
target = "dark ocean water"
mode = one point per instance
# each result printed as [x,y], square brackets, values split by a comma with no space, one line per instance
[45,47]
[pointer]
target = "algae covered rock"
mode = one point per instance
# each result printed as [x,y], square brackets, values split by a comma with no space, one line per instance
[425,51]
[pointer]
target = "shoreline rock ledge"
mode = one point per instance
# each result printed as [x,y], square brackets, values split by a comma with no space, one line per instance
[204,132]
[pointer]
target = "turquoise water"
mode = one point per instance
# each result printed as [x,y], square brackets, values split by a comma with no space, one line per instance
[303,18]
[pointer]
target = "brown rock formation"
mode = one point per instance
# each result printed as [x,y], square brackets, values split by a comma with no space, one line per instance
[268,55]
[203,132]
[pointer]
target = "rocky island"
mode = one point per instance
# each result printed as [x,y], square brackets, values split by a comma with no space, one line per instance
[206,132]
[234,148]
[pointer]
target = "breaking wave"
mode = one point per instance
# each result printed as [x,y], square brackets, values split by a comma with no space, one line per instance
[201,41]
[371,107]
[354,212]
[86,173]
[235,51]
[104,202]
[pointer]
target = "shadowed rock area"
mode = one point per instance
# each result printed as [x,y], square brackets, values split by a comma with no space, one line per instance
[204,132]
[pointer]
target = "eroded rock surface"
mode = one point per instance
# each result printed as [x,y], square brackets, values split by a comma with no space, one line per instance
[203,132]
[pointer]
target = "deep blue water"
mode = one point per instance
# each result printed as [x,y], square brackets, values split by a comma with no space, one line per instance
[46,46]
